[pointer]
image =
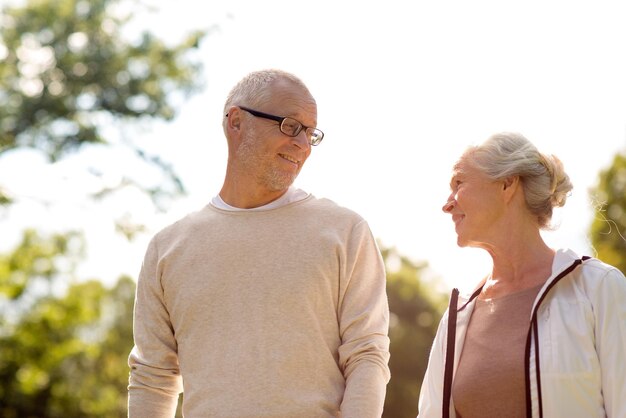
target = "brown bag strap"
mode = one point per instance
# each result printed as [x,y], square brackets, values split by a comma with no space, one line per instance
[449,365]
[450,344]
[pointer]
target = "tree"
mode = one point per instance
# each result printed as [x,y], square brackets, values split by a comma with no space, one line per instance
[72,78]
[67,76]
[608,229]
[416,307]
[64,341]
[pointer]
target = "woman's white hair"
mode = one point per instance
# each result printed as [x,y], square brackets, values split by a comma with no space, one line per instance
[543,178]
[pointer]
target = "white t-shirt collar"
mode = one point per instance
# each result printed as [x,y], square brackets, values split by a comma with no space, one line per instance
[292,195]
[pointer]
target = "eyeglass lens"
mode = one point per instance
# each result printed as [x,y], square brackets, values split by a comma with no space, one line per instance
[292,127]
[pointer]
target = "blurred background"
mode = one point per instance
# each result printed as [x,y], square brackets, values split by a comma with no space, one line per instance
[110,129]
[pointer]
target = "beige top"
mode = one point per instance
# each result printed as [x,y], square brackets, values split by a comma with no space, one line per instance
[274,313]
[489,381]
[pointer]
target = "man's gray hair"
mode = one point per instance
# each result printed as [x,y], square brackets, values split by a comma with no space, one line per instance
[252,89]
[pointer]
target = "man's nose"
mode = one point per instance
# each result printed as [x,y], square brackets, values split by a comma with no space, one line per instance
[302,140]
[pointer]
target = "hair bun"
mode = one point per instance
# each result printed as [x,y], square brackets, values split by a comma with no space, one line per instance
[560,182]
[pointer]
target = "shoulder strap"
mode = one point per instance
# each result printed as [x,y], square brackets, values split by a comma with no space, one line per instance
[449,365]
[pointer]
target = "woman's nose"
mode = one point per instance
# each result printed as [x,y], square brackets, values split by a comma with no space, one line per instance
[449,205]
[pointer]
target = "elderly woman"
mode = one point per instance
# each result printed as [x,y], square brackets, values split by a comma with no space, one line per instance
[543,335]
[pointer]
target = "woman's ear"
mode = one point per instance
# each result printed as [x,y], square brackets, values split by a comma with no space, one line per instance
[510,186]
[508,182]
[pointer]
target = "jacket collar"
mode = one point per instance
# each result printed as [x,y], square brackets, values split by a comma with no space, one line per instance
[562,260]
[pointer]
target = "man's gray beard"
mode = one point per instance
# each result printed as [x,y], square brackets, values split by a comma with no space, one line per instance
[247,154]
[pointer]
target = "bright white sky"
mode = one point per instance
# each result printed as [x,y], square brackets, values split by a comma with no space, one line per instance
[402,88]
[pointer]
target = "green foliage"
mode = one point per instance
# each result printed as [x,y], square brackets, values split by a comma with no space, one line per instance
[67,74]
[5,199]
[33,260]
[608,230]
[63,355]
[415,313]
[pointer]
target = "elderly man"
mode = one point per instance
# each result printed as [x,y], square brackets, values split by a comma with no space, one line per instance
[267,302]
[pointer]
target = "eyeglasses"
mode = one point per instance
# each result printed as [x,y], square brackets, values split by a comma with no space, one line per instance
[290,126]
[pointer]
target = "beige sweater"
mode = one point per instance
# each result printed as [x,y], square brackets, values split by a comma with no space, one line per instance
[277,313]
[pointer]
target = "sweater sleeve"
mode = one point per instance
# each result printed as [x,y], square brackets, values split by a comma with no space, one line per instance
[363,313]
[610,328]
[431,393]
[155,382]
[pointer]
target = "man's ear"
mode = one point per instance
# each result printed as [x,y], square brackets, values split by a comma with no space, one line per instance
[233,118]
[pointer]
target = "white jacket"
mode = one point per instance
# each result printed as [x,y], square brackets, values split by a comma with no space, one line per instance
[582,345]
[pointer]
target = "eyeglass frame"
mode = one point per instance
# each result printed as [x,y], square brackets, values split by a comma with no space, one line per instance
[281,119]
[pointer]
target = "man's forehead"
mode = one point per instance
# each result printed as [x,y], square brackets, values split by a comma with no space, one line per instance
[293,105]
[292,96]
